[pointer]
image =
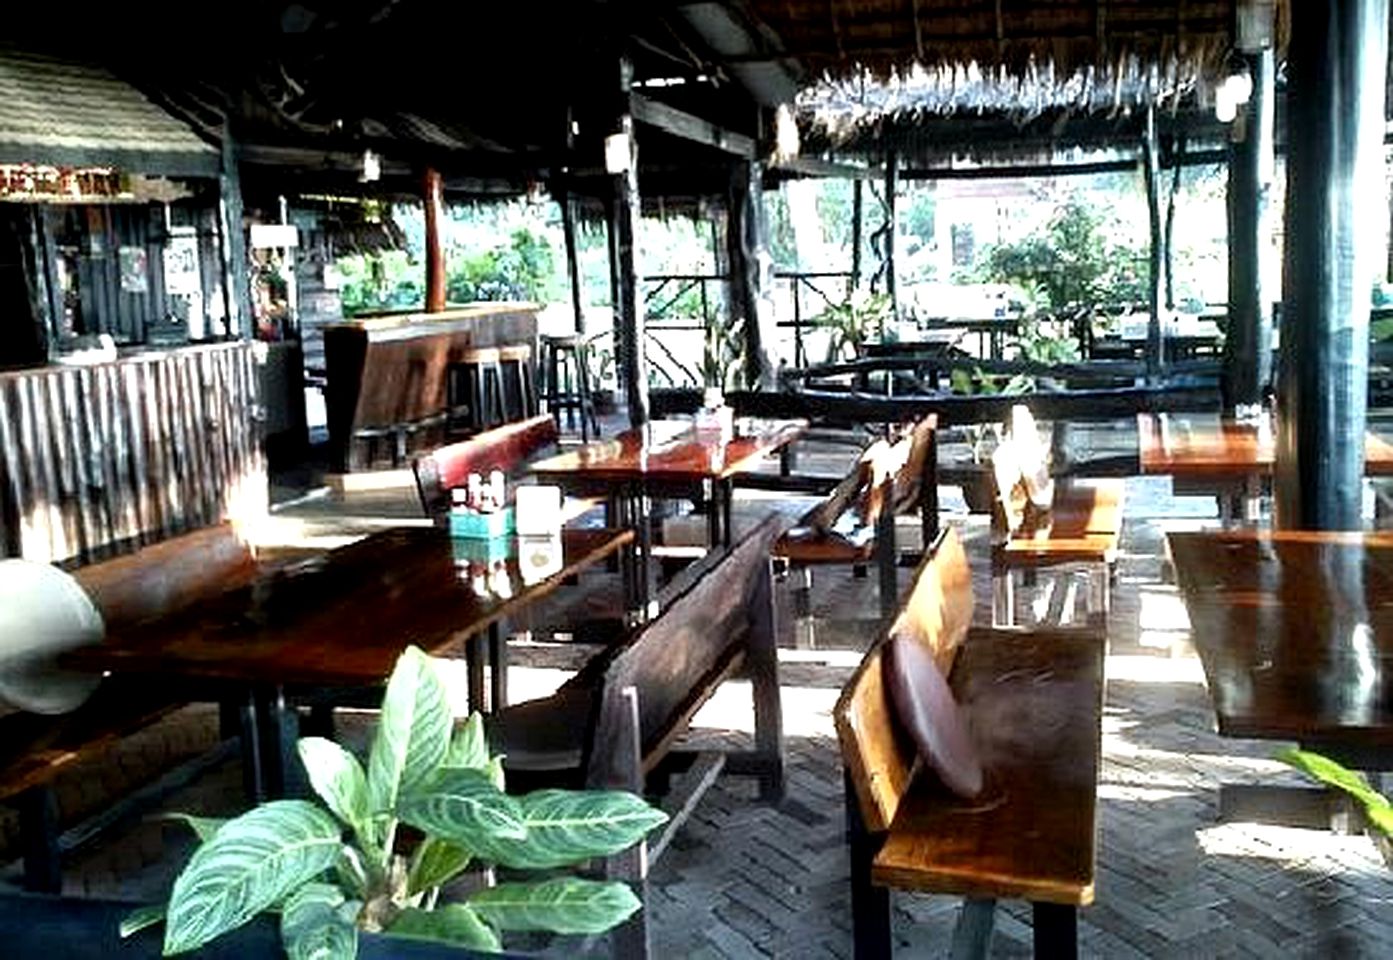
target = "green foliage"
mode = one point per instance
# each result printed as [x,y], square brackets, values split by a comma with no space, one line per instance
[1072,263]
[524,269]
[852,324]
[330,877]
[1377,807]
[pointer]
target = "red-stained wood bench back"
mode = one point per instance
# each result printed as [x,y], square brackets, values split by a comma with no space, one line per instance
[508,448]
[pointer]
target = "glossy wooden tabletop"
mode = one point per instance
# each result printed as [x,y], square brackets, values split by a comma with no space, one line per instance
[1205,445]
[671,450]
[1295,631]
[341,619]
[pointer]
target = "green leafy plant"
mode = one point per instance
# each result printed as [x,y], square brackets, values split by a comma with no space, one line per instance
[852,323]
[386,840]
[1377,808]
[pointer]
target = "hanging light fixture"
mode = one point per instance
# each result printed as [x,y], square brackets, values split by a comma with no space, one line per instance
[372,168]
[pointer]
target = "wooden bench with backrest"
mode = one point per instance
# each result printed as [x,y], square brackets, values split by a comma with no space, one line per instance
[152,582]
[616,724]
[1032,702]
[851,527]
[1039,523]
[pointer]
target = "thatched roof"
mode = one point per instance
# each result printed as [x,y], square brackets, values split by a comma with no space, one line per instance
[843,38]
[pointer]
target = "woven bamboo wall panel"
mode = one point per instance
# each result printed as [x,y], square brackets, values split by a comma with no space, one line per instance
[95,460]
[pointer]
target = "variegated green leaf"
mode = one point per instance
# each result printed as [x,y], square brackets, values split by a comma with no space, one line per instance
[468,748]
[413,732]
[435,862]
[338,778]
[1376,806]
[453,923]
[313,926]
[203,827]
[461,806]
[568,826]
[250,864]
[562,905]
[495,772]
[140,918]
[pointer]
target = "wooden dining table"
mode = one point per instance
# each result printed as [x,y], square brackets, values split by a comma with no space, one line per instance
[1208,455]
[338,622]
[667,458]
[1295,632]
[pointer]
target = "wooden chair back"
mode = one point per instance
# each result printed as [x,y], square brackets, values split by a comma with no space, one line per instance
[507,448]
[879,756]
[677,660]
[164,577]
[918,478]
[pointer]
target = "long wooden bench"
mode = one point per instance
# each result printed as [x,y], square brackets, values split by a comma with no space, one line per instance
[1033,702]
[851,526]
[616,724]
[1081,526]
[151,582]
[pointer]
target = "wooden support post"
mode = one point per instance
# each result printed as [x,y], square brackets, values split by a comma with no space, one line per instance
[892,183]
[624,213]
[1151,164]
[570,208]
[747,241]
[434,199]
[568,230]
[236,284]
[1248,345]
[1177,165]
[1337,59]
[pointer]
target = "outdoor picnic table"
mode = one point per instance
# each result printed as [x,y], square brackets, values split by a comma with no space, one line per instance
[667,458]
[339,622]
[1295,632]
[1210,455]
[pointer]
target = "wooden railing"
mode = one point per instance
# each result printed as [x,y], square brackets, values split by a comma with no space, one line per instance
[102,458]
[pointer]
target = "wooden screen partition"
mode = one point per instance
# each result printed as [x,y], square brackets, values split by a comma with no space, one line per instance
[387,373]
[98,459]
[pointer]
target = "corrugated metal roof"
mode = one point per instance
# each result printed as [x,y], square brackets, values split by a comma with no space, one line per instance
[51,105]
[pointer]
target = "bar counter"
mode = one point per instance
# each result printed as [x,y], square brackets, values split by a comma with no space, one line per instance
[386,373]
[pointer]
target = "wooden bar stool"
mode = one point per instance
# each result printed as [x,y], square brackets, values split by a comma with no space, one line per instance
[565,360]
[519,391]
[474,391]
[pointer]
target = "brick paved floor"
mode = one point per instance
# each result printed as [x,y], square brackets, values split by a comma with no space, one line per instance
[748,880]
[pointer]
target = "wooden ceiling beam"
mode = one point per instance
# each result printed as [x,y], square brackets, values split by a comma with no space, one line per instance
[688,126]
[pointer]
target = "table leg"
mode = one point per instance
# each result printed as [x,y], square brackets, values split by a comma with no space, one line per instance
[498,667]
[1056,930]
[271,767]
[474,655]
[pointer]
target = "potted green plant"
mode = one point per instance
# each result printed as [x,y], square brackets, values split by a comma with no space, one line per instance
[379,849]
[852,323]
[1377,808]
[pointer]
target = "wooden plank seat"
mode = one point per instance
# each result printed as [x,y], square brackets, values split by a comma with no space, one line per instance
[511,448]
[850,526]
[1033,703]
[1040,522]
[617,723]
[151,582]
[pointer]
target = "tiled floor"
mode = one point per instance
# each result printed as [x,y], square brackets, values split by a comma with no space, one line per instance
[747,880]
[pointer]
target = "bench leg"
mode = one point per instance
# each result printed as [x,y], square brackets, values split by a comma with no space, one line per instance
[38,829]
[1056,931]
[886,562]
[870,905]
[1003,598]
[629,939]
[763,666]
[972,936]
